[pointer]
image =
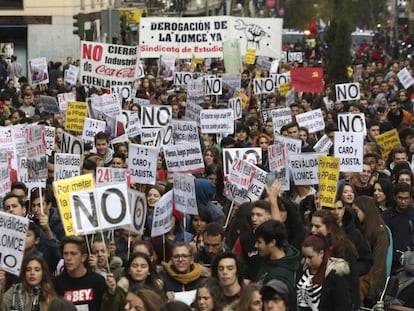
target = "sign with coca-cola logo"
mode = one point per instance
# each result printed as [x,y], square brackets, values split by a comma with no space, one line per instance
[106,65]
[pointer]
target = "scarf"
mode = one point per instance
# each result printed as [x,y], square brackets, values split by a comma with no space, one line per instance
[18,302]
[185,278]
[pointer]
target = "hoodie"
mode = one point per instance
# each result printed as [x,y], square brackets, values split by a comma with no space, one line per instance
[282,269]
[205,190]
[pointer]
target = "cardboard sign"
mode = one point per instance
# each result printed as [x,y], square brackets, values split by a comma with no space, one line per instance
[142,160]
[217,121]
[323,145]
[263,86]
[185,131]
[71,144]
[63,188]
[38,73]
[349,148]
[112,175]
[67,165]
[162,221]
[239,181]
[405,78]
[155,115]
[304,168]
[347,91]
[182,78]
[192,112]
[63,99]
[132,123]
[352,122]
[278,164]
[49,139]
[184,194]
[251,155]
[328,180]
[280,117]
[292,146]
[113,211]
[105,65]
[36,152]
[12,240]
[71,75]
[76,112]
[235,103]
[388,141]
[213,86]
[104,106]
[312,120]
[186,158]
[91,127]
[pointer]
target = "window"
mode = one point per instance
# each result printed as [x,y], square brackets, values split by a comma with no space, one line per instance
[11,4]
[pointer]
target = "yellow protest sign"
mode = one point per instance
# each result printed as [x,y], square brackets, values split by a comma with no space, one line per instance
[76,112]
[63,188]
[284,88]
[250,56]
[328,179]
[387,141]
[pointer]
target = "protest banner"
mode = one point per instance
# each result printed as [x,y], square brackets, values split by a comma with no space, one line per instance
[235,103]
[12,241]
[349,148]
[123,91]
[304,168]
[63,99]
[216,121]
[312,120]
[292,145]
[184,194]
[328,180]
[280,117]
[251,155]
[155,115]
[405,78]
[275,112]
[36,152]
[148,135]
[231,56]
[185,158]
[71,75]
[67,165]
[112,175]
[162,221]
[76,112]
[182,78]
[347,91]
[388,141]
[295,57]
[278,164]
[279,79]
[105,65]
[63,188]
[263,63]
[204,36]
[157,137]
[38,73]
[213,86]
[91,127]
[133,123]
[142,160]
[352,122]
[192,112]
[71,144]
[257,186]
[239,181]
[185,131]
[263,86]
[138,206]
[104,106]
[99,209]
[323,145]
[196,91]
[50,133]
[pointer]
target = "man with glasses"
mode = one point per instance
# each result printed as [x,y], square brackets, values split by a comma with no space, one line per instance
[400,220]
[181,273]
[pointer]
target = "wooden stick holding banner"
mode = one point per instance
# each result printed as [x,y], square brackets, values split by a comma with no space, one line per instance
[88,245]
[107,257]
[229,215]
[41,200]
[129,243]
[163,249]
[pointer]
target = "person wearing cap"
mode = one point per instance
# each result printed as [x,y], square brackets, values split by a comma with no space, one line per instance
[276,296]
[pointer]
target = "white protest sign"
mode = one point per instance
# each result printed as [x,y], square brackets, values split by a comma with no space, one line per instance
[138,206]
[155,115]
[352,122]
[304,168]
[91,127]
[281,78]
[295,57]
[213,86]
[104,65]
[5,182]
[357,76]
[50,133]
[263,86]
[26,177]
[112,175]
[251,155]
[63,99]
[186,158]
[312,120]
[257,186]
[217,121]
[278,163]
[185,131]
[38,73]
[162,221]
[239,181]
[192,112]
[280,117]
[323,145]
[405,78]
[292,146]
[132,122]
[347,91]
[19,138]
[71,144]
[123,91]
[184,194]
[349,148]
[71,75]
[187,297]
[235,103]
[182,78]
[283,56]
[142,160]
[274,67]
[148,135]
[290,97]
[36,151]
[157,136]
[231,56]
[12,240]
[67,165]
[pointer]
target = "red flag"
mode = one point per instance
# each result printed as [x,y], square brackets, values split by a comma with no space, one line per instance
[313,28]
[309,79]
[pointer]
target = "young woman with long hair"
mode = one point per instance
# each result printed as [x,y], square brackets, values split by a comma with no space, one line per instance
[209,296]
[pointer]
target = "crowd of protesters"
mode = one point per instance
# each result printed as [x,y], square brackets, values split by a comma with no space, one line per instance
[282,252]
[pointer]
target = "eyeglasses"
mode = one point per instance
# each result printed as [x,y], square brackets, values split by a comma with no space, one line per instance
[181,256]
